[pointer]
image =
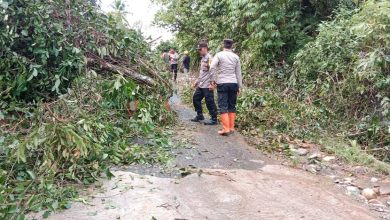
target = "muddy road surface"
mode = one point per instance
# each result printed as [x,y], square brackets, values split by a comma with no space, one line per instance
[227,179]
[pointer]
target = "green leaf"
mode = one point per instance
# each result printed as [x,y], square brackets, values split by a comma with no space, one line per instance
[93,73]
[76,50]
[46,214]
[2,116]
[108,173]
[54,205]
[56,86]
[21,153]
[31,201]
[24,32]
[34,74]
[21,217]
[4,4]
[117,84]
[31,174]
[67,205]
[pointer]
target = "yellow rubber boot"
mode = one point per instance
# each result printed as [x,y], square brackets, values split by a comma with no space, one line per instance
[225,124]
[232,119]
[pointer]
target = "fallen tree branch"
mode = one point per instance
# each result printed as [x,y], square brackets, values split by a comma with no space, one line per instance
[123,71]
[54,116]
[156,75]
[136,76]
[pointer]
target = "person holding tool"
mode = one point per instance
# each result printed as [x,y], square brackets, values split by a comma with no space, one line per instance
[225,70]
[203,89]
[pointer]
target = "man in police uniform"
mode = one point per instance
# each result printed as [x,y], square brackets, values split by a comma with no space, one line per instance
[204,89]
[225,72]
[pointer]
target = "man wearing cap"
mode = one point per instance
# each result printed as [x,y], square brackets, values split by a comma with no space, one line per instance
[225,71]
[186,64]
[203,88]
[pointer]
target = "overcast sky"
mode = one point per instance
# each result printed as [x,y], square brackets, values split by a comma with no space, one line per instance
[141,14]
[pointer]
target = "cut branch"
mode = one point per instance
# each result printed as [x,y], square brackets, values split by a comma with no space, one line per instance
[156,75]
[123,71]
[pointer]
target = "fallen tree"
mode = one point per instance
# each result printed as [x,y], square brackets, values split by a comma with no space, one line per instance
[77,91]
[44,48]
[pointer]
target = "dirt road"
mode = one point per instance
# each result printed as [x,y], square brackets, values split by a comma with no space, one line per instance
[229,180]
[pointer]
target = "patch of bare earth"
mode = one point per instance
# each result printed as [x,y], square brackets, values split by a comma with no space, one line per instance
[272,192]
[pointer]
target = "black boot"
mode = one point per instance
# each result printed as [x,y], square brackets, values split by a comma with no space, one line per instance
[212,121]
[198,118]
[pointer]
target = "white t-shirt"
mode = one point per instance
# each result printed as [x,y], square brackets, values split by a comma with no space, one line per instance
[174,58]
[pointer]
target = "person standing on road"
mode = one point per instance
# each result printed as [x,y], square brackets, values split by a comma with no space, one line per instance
[186,64]
[203,88]
[225,71]
[173,60]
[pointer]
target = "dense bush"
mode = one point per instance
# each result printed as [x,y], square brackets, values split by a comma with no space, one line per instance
[261,110]
[347,68]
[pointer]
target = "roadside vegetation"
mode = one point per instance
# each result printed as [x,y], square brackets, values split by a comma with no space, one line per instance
[315,71]
[79,93]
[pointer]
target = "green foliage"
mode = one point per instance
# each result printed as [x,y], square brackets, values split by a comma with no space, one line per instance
[353,154]
[45,47]
[74,140]
[347,68]
[262,113]
[166,46]
[270,27]
[29,57]
[267,33]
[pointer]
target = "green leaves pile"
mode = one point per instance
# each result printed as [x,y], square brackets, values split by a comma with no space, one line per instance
[74,139]
[77,96]
[44,47]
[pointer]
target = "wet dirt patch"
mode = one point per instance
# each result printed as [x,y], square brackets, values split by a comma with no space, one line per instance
[272,192]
